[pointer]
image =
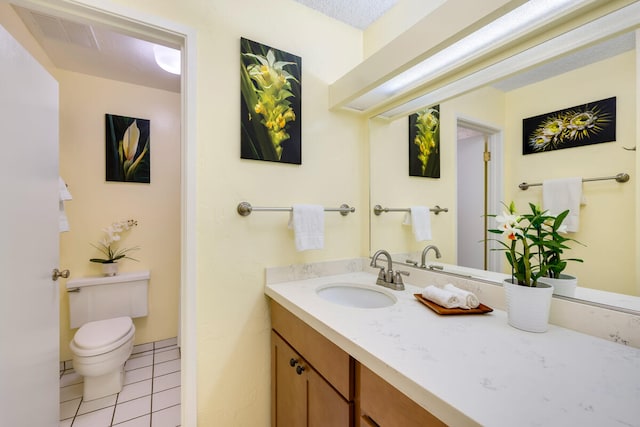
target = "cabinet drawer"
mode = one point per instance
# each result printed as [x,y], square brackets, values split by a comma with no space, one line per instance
[329,360]
[378,403]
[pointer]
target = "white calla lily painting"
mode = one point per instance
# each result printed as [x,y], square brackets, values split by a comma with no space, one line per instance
[127,149]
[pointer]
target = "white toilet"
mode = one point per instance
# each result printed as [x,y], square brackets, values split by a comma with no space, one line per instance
[102,308]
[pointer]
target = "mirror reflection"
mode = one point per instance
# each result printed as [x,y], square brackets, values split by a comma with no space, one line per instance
[490,119]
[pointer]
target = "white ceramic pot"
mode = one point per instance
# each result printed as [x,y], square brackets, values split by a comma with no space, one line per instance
[564,285]
[528,307]
[110,268]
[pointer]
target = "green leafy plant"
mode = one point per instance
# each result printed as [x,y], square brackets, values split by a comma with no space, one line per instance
[106,245]
[535,246]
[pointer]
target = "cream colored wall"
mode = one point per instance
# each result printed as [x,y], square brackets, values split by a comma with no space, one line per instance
[391,185]
[607,221]
[96,203]
[233,319]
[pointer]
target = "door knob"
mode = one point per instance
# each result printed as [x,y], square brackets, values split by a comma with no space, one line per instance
[56,274]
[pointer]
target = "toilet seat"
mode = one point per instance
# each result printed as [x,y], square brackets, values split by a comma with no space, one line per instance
[102,336]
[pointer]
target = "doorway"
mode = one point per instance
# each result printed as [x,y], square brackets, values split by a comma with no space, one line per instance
[157,30]
[479,191]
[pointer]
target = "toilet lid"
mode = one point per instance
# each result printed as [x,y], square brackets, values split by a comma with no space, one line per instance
[103,334]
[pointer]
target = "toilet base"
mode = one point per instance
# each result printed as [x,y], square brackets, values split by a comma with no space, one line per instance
[103,385]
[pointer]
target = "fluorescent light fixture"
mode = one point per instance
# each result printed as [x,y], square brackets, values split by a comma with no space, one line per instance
[508,27]
[617,22]
[167,58]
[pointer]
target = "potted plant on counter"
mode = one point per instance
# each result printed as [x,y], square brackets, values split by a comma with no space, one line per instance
[112,253]
[533,249]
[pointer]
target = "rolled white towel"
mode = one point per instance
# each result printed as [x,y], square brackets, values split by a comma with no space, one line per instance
[441,297]
[467,299]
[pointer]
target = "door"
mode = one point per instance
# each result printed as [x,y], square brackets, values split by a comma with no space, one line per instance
[479,194]
[29,298]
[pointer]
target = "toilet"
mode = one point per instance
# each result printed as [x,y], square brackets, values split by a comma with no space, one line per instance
[102,308]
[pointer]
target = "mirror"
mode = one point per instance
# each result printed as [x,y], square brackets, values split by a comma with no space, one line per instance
[493,113]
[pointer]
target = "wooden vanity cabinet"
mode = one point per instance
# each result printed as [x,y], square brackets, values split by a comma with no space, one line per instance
[312,378]
[379,404]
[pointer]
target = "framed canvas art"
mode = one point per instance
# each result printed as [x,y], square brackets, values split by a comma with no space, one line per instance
[127,149]
[586,124]
[424,143]
[270,104]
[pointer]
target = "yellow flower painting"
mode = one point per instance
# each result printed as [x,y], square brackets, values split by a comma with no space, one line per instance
[270,107]
[424,143]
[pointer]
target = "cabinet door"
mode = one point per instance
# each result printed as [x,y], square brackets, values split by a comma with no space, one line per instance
[379,404]
[288,388]
[300,396]
[326,406]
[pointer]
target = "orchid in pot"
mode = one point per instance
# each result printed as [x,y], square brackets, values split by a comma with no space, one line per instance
[543,245]
[534,250]
[112,253]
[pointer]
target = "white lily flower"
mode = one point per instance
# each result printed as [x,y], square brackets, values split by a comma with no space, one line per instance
[130,141]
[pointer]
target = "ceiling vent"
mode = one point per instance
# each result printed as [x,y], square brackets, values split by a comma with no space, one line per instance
[65,31]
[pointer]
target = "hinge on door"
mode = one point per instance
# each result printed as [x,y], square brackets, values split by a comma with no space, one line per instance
[487,156]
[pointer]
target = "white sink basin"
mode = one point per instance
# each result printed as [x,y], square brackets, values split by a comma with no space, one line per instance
[356,295]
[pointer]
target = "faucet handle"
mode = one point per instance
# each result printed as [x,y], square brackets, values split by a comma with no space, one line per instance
[397,279]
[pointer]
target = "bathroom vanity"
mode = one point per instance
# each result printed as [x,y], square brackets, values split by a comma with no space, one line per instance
[405,365]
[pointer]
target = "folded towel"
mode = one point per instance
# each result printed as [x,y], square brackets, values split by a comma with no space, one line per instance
[307,222]
[63,194]
[467,299]
[558,195]
[419,218]
[441,297]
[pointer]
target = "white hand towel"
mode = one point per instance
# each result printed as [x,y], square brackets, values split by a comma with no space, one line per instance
[307,222]
[419,218]
[558,195]
[468,299]
[63,191]
[63,194]
[441,297]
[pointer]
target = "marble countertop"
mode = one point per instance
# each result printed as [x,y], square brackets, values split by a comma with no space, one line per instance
[475,369]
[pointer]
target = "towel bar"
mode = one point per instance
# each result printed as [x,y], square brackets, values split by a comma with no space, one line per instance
[621,177]
[377,209]
[245,208]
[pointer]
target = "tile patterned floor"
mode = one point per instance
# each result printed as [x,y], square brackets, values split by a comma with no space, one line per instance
[149,398]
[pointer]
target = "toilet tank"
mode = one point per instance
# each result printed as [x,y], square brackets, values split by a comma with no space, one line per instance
[99,298]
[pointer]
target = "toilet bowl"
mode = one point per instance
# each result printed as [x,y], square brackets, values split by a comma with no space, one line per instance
[102,308]
[100,349]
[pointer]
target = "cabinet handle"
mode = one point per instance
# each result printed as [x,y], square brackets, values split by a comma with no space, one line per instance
[370,421]
[299,370]
[293,362]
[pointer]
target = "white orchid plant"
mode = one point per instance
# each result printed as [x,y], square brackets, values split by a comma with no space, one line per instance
[542,245]
[106,245]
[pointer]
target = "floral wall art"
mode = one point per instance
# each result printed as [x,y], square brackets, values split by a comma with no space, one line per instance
[127,149]
[424,143]
[585,124]
[270,104]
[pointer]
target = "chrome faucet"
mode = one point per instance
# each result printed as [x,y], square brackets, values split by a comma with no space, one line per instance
[423,258]
[388,278]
